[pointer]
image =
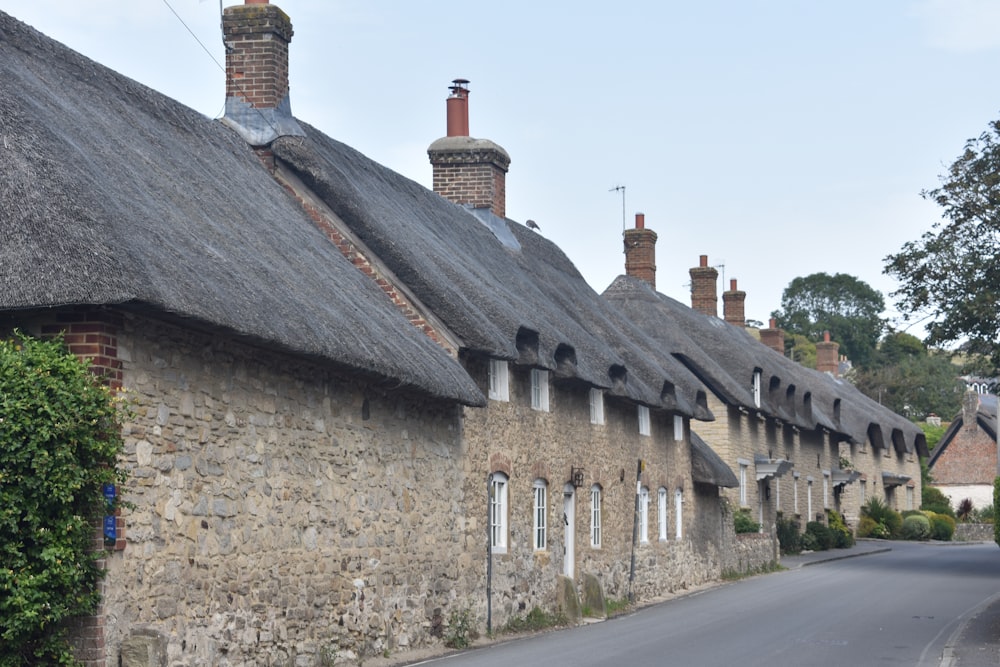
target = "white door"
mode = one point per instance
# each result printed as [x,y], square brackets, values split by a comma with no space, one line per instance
[569,523]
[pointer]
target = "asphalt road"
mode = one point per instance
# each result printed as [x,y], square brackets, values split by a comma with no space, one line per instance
[899,607]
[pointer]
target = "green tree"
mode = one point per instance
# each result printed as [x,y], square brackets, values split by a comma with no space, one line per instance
[951,274]
[849,308]
[909,379]
[60,438]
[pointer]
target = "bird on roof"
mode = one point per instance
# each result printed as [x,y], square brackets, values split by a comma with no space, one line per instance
[531,224]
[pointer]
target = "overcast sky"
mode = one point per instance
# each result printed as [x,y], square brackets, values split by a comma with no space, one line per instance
[780,138]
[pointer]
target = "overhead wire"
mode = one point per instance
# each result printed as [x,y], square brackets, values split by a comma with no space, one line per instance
[217,63]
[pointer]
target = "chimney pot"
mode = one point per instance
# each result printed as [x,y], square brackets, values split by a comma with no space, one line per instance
[703,261]
[640,220]
[458,108]
[255,2]
[772,323]
[732,284]
[826,336]
[640,251]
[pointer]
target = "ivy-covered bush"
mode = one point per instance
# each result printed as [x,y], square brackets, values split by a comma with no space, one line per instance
[743,523]
[916,527]
[996,503]
[60,437]
[789,538]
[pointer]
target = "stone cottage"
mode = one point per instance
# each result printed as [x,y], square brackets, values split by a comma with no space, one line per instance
[964,462]
[350,393]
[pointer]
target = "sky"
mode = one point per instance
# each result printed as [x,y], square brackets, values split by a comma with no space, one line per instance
[780,138]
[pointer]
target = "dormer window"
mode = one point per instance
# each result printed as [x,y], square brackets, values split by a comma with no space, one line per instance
[499,383]
[596,406]
[643,420]
[539,390]
[755,388]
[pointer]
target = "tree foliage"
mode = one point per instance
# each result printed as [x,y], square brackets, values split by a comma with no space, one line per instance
[60,438]
[909,379]
[951,275]
[849,308]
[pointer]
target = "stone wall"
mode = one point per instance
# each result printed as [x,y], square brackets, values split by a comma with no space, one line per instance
[973,532]
[529,445]
[282,512]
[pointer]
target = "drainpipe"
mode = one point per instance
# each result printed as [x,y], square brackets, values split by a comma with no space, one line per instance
[489,555]
[635,530]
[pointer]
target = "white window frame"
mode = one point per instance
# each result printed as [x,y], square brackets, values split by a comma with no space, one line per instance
[678,428]
[909,497]
[644,515]
[596,406]
[863,486]
[540,530]
[795,492]
[809,499]
[499,380]
[826,489]
[678,514]
[595,516]
[755,388]
[539,390]
[498,512]
[744,466]
[661,513]
[643,413]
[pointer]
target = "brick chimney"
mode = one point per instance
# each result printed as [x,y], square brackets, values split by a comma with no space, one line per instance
[773,337]
[640,251]
[256,35]
[733,302]
[467,170]
[827,357]
[704,296]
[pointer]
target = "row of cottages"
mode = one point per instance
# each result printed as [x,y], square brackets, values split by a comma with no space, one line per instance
[964,463]
[362,406]
[800,441]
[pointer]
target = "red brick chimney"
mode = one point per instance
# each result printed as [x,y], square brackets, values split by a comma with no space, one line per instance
[640,251]
[704,296]
[773,337]
[467,170]
[257,35]
[827,357]
[733,302]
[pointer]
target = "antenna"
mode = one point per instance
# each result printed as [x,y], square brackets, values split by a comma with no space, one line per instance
[621,188]
[723,267]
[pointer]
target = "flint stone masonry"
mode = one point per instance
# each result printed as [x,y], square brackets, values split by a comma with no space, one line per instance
[272,521]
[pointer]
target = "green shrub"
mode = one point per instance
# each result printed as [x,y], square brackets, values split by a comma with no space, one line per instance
[60,430]
[818,537]
[789,537]
[933,500]
[983,514]
[867,527]
[889,520]
[743,523]
[942,526]
[843,538]
[916,527]
[996,503]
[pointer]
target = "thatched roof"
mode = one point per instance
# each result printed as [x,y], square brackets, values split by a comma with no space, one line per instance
[725,358]
[492,282]
[708,467]
[116,195]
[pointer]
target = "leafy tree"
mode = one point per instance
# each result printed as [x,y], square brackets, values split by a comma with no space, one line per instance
[951,275]
[909,379]
[801,350]
[849,308]
[60,438]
